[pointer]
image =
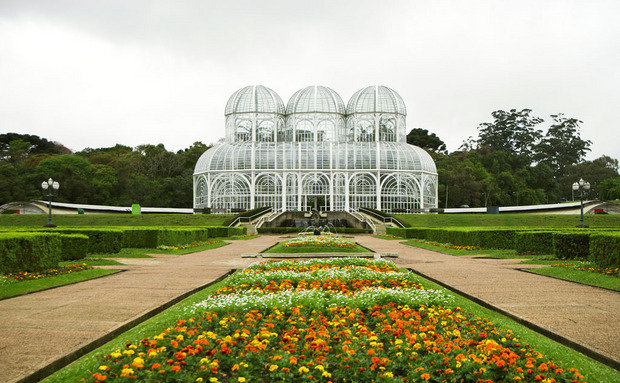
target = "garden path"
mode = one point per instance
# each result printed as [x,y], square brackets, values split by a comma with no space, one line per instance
[585,315]
[38,329]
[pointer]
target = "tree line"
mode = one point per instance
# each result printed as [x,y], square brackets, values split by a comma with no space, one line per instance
[510,162]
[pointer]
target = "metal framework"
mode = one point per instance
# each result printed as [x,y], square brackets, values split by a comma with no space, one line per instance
[315,153]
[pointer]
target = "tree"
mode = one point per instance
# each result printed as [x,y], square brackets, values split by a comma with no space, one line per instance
[512,131]
[595,172]
[421,137]
[609,189]
[562,146]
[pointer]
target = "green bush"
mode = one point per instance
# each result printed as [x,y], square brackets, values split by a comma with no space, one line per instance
[534,242]
[73,247]
[605,249]
[286,230]
[139,237]
[571,245]
[28,251]
[490,238]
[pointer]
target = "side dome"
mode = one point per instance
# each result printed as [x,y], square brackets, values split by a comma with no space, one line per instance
[254,99]
[315,99]
[376,99]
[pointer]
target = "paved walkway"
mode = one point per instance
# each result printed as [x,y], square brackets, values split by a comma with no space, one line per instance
[37,329]
[583,314]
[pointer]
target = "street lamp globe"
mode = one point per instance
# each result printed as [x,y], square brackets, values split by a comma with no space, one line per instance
[586,186]
[44,185]
[575,186]
[50,189]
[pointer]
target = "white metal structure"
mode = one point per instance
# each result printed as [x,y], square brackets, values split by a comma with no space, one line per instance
[315,153]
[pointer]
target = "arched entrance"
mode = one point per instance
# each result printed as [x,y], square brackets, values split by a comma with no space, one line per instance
[315,192]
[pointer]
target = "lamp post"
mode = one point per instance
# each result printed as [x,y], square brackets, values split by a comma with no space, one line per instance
[50,189]
[581,186]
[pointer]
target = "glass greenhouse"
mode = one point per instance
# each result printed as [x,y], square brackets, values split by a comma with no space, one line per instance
[315,153]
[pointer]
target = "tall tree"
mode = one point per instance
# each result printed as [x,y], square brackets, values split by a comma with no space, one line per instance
[512,131]
[428,141]
[562,146]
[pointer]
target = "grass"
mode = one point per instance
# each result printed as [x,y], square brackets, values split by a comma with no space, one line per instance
[387,236]
[38,220]
[92,262]
[316,249]
[131,252]
[588,278]
[17,288]
[537,220]
[585,277]
[594,371]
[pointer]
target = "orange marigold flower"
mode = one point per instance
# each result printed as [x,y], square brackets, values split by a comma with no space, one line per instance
[425,376]
[176,368]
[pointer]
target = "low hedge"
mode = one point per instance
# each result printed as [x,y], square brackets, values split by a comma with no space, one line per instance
[286,230]
[534,242]
[100,240]
[571,245]
[29,251]
[73,247]
[605,249]
[499,238]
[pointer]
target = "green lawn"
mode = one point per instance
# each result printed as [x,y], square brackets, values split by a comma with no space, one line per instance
[129,252]
[38,220]
[588,278]
[537,220]
[92,262]
[585,277]
[316,249]
[17,288]
[594,371]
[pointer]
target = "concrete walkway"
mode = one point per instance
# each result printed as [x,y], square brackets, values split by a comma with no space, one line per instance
[585,315]
[39,328]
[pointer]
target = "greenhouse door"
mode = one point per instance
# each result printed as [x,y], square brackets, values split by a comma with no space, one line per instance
[318,202]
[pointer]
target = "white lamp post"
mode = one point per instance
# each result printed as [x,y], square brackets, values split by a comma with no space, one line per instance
[583,187]
[50,189]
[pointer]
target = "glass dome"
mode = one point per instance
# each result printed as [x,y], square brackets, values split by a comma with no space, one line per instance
[254,113]
[376,113]
[315,113]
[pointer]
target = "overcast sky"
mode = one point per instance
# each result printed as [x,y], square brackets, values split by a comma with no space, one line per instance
[97,73]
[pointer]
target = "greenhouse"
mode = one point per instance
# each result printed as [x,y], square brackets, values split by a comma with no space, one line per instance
[315,153]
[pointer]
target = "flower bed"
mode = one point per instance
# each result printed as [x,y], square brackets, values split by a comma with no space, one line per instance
[319,241]
[590,267]
[337,320]
[60,270]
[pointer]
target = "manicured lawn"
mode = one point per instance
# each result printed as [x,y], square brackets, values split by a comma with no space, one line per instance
[38,220]
[387,236]
[92,262]
[537,220]
[594,371]
[17,288]
[586,277]
[129,252]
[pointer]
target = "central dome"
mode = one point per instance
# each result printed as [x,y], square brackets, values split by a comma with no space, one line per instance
[315,99]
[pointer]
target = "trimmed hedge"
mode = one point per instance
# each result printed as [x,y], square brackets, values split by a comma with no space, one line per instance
[99,240]
[489,238]
[568,245]
[534,242]
[28,251]
[73,247]
[286,230]
[605,249]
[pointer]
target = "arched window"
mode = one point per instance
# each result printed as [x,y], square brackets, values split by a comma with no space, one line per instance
[268,191]
[201,192]
[362,191]
[230,193]
[243,130]
[315,192]
[399,194]
[430,199]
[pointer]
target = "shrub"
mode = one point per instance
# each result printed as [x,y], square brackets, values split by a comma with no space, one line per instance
[571,245]
[73,247]
[605,249]
[534,242]
[28,251]
[139,237]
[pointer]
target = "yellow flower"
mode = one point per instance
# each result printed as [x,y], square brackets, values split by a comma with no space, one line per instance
[103,368]
[389,375]
[241,379]
[327,374]
[199,379]
[213,379]
[273,367]
[303,370]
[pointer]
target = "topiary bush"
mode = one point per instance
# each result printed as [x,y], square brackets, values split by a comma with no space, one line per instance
[28,251]
[605,249]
